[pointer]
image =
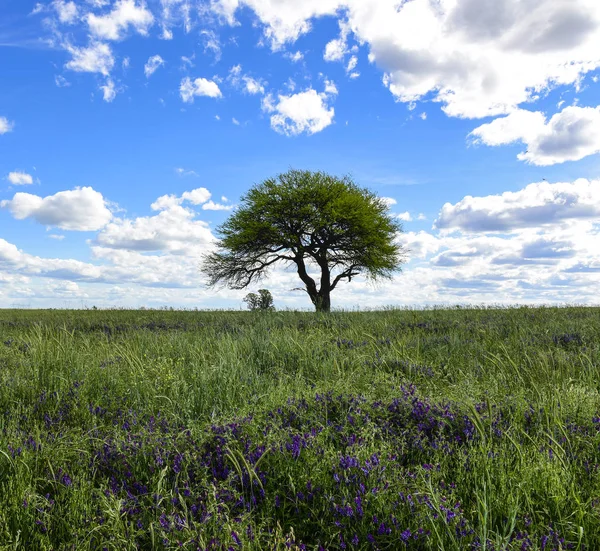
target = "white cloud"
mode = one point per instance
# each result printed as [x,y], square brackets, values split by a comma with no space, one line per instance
[195,197]
[235,121]
[198,87]
[20,178]
[188,61]
[423,116]
[125,14]
[211,205]
[211,43]
[478,58]
[330,87]
[174,13]
[5,125]
[56,236]
[285,21]
[352,63]
[305,112]
[253,86]
[247,83]
[174,229]
[109,92]
[81,209]
[570,135]
[389,201]
[153,64]
[96,58]
[295,57]
[335,50]
[61,81]
[537,205]
[67,11]
[405,216]
[183,172]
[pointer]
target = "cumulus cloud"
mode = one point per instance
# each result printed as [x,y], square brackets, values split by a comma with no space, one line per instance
[153,63]
[570,135]
[115,24]
[335,50]
[81,209]
[284,21]
[20,178]
[5,125]
[195,197]
[247,83]
[538,204]
[211,205]
[109,91]
[67,11]
[477,57]
[199,87]
[305,112]
[405,216]
[174,229]
[295,57]
[96,58]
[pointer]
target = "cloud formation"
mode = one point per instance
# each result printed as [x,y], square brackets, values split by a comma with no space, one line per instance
[5,125]
[189,89]
[477,57]
[114,25]
[304,112]
[81,209]
[538,204]
[96,58]
[19,178]
[570,135]
[153,63]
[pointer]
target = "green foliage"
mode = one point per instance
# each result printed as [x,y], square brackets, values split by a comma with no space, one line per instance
[307,219]
[485,424]
[263,302]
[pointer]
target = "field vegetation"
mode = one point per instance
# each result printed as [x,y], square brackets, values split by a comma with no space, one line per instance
[443,429]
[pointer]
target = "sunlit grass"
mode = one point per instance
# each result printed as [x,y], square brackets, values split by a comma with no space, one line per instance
[439,429]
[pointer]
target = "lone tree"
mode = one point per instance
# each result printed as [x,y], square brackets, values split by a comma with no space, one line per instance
[314,221]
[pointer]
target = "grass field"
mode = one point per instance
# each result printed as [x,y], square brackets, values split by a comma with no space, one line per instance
[439,429]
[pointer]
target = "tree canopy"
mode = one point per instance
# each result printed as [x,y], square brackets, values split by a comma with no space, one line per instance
[312,221]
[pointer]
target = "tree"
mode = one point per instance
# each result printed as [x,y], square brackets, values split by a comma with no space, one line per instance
[312,221]
[263,302]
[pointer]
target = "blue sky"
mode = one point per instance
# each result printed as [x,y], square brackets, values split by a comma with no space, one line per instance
[130,129]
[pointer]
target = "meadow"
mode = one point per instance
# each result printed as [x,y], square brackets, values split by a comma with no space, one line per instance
[441,429]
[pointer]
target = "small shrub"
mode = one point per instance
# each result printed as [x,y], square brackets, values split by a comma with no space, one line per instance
[263,302]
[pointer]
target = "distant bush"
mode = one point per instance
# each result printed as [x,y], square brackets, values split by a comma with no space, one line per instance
[263,302]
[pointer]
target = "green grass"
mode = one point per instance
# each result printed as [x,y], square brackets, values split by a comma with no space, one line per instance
[195,430]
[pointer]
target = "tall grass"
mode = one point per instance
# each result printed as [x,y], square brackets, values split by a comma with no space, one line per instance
[438,429]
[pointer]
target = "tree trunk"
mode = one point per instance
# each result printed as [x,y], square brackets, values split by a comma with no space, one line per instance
[322,301]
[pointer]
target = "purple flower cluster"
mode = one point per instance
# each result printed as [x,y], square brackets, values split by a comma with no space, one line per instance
[327,472]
